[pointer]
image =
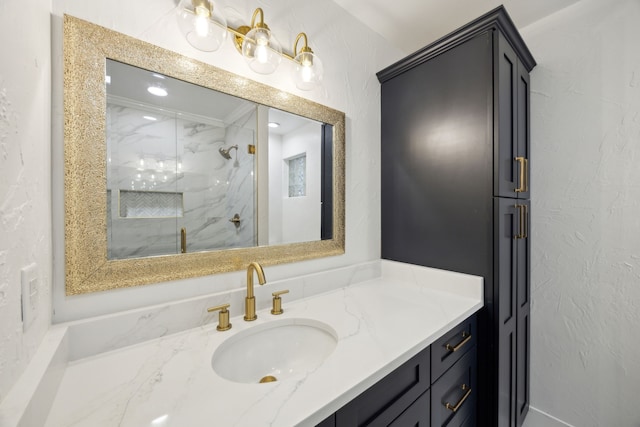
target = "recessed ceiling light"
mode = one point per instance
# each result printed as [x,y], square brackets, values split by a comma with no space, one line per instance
[158,76]
[157,91]
[153,119]
[274,124]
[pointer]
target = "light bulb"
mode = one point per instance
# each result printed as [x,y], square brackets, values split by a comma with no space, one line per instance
[307,72]
[262,51]
[204,27]
[261,54]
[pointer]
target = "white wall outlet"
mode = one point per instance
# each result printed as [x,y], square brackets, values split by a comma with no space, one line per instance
[29,280]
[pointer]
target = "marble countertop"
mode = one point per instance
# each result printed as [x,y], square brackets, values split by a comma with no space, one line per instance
[169,381]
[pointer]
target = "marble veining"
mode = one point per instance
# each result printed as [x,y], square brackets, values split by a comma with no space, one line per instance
[169,381]
[177,154]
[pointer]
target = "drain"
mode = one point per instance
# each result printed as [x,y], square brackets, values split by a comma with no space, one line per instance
[268,379]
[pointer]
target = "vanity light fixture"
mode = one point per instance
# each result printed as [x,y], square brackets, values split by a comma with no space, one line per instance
[202,24]
[205,28]
[307,72]
[260,48]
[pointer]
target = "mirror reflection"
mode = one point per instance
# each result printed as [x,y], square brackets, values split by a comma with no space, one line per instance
[192,142]
[191,169]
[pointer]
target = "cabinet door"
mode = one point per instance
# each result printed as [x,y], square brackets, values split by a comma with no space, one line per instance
[417,415]
[512,316]
[524,131]
[454,394]
[437,156]
[391,396]
[523,296]
[511,149]
[506,228]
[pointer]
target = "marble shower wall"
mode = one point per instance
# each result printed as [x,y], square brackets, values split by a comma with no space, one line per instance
[177,155]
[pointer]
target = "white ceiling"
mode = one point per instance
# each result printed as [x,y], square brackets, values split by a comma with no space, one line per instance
[412,24]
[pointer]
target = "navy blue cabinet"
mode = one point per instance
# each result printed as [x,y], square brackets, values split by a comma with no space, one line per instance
[455,187]
[436,387]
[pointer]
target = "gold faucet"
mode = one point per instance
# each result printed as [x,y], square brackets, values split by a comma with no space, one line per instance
[250,300]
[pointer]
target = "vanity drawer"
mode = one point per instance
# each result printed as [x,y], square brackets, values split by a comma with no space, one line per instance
[391,396]
[452,346]
[417,415]
[454,394]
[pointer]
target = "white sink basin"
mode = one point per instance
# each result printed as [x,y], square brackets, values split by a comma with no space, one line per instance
[274,351]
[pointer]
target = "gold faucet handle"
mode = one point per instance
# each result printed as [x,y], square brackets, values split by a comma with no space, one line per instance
[277,302]
[223,316]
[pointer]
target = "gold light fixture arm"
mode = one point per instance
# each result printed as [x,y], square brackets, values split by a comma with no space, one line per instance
[260,23]
[241,32]
[254,42]
[305,48]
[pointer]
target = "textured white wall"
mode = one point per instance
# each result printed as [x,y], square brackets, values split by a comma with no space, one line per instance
[25,200]
[586,214]
[351,54]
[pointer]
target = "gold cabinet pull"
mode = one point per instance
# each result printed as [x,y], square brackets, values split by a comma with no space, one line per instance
[183,240]
[466,337]
[454,408]
[277,302]
[523,216]
[223,316]
[523,184]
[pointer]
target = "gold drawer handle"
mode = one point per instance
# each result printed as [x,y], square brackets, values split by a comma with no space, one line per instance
[457,406]
[522,187]
[453,349]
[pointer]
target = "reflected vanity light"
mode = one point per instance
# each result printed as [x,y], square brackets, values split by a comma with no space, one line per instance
[157,91]
[205,28]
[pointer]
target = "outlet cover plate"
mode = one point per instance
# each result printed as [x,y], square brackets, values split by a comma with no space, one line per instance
[29,281]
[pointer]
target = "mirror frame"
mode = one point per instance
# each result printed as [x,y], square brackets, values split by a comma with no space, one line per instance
[87,268]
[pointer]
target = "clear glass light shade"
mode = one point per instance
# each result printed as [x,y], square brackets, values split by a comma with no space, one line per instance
[307,71]
[204,27]
[262,51]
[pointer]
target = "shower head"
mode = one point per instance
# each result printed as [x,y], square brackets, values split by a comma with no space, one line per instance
[225,152]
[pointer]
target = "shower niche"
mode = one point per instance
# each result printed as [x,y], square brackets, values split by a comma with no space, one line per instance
[191,169]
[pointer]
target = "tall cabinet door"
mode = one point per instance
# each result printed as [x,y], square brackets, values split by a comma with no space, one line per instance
[523,298]
[436,171]
[506,228]
[513,310]
[511,150]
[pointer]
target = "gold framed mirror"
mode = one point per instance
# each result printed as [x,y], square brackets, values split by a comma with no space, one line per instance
[88,268]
